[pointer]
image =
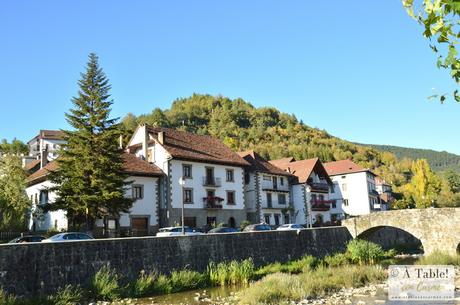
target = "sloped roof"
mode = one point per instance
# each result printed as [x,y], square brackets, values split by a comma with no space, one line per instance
[51,134]
[259,164]
[30,166]
[189,146]
[302,169]
[343,167]
[282,162]
[131,165]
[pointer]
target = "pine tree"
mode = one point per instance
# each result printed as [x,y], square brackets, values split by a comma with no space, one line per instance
[90,182]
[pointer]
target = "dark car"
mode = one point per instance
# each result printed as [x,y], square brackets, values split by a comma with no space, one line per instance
[222,230]
[258,227]
[27,239]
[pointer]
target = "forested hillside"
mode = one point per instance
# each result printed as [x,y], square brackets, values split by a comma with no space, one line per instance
[275,134]
[439,160]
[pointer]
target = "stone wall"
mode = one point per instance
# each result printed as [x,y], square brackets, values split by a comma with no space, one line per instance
[32,269]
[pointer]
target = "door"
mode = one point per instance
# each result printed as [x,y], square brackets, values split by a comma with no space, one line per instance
[139,226]
[275,183]
[210,175]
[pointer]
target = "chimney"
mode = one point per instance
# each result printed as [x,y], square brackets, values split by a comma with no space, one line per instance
[161,137]
[120,141]
[44,157]
[145,140]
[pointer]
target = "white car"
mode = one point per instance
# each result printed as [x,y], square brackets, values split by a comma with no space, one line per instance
[290,226]
[177,231]
[67,237]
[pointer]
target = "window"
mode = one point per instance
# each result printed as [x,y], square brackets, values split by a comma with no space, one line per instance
[344,186]
[188,196]
[231,197]
[275,182]
[43,196]
[186,170]
[286,218]
[313,197]
[267,178]
[138,191]
[334,204]
[282,180]
[277,219]
[321,197]
[230,175]
[333,188]
[267,218]
[36,198]
[282,199]
[269,200]
[343,177]
[345,202]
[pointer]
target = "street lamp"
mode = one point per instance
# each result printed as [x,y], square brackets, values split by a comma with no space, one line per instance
[182,183]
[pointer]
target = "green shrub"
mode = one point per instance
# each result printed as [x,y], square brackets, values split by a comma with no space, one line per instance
[104,284]
[144,284]
[304,264]
[336,260]
[365,252]
[244,224]
[186,280]
[439,258]
[234,272]
[7,299]
[270,269]
[68,295]
[162,285]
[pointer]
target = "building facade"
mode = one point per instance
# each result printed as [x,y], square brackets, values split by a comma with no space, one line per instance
[201,174]
[266,191]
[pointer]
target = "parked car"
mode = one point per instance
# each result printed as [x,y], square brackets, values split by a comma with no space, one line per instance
[290,226]
[177,231]
[222,230]
[68,237]
[27,239]
[258,227]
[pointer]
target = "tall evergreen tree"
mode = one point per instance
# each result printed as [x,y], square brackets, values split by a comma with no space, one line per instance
[90,181]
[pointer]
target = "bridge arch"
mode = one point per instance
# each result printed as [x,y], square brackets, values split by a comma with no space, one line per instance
[437,229]
[389,237]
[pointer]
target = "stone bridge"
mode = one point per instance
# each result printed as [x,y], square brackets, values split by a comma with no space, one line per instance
[437,229]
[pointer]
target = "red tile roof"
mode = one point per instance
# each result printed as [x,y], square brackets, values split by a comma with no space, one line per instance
[343,167]
[259,164]
[51,134]
[189,146]
[29,166]
[303,169]
[132,166]
[282,162]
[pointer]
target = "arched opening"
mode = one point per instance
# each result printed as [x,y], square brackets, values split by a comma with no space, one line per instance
[232,222]
[393,238]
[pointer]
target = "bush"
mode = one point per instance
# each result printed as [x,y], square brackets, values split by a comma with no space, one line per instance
[365,252]
[234,273]
[439,258]
[68,295]
[162,285]
[7,299]
[104,284]
[244,224]
[304,264]
[144,284]
[186,280]
[336,260]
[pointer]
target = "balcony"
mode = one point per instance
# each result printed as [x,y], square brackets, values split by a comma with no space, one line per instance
[212,181]
[212,202]
[320,187]
[320,205]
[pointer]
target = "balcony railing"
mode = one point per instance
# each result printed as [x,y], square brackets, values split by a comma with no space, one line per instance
[212,202]
[321,205]
[319,186]
[212,181]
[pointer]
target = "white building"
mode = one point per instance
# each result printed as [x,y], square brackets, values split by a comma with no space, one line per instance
[354,187]
[310,192]
[266,191]
[142,219]
[202,174]
[43,148]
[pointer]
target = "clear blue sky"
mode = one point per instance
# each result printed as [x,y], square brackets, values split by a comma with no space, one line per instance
[359,69]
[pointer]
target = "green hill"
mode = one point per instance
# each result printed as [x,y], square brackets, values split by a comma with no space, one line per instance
[439,160]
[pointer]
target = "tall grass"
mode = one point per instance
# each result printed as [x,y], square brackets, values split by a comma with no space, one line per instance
[7,299]
[232,273]
[304,264]
[365,252]
[144,284]
[279,288]
[104,284]
[187,280]
[68,295]
[439,258]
